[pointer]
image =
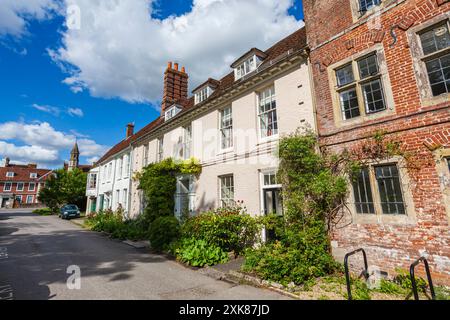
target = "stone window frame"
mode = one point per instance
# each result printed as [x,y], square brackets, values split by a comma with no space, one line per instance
[357,14]
[441,157]
[409,218]
[420,70]
[385,80]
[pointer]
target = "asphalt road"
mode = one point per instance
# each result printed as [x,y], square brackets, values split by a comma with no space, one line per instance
[36,251]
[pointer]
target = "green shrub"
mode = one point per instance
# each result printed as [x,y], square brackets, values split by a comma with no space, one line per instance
[231,229]
[113,224]
[199,253]
[43,212]
[301,254]
[163,231]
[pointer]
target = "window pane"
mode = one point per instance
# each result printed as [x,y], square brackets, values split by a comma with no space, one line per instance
[368,66]
[373,96]
[448,163]
[227,191]
[268,113]
[345,75]
[436,39]
[390,190]
[363,193]
[226,128]
[439,74]
[365,5]
[349,104]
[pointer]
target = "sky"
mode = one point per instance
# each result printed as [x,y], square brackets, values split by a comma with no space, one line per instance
[80,70]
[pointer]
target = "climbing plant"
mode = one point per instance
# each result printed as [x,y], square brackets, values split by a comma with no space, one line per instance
[158,183]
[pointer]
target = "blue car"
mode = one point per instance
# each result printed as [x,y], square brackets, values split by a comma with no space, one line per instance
[69,211]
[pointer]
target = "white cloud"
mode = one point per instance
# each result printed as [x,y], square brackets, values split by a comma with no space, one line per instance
[75,112]
[42,143]
[15,14]
[28,154]
[47,109]
[120,51]
[56,111]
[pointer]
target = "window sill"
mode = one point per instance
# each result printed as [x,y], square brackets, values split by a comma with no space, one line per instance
[270,139]
[432,101]
[382,219]
[225,151]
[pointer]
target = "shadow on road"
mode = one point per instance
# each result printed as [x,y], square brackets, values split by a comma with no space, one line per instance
[40,255]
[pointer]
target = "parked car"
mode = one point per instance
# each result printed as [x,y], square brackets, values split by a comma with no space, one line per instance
[69,211]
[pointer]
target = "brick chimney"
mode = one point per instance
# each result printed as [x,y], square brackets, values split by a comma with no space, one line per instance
[175,86]
[7,160]
[32,165]
[130,130]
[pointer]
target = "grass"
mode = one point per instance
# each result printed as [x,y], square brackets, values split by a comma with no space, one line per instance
[333,287]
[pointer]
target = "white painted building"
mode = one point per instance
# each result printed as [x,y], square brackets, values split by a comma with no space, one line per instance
[232,126]
[109,182]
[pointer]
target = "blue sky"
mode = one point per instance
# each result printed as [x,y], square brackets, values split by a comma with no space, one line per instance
[53,90]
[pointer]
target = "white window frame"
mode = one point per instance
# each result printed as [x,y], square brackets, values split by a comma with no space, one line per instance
[9,188]
[171,112]
[31,184]
[247,66]
[10,174]
[273,97]
[202,94]
[226,201]
[160,149]
[126,159]
[33,175]
[145,157]
[22,184]
[125,198]
[32,199]
[187,142]
[228,117]
[119,167]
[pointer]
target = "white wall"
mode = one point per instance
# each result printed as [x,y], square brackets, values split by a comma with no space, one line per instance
[250,153]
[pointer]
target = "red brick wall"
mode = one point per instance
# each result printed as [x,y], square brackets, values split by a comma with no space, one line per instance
[388,245]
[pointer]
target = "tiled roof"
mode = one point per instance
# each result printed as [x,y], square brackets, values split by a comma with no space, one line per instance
[294,42]
[21,173]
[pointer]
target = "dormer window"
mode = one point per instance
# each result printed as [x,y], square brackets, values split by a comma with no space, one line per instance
[10,174]
[202,94]
[172,112]
[248,63]
[245,68]
[365,5]
[33,175]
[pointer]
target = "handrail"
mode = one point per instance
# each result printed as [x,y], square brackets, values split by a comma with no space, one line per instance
[413,279]
[347,273]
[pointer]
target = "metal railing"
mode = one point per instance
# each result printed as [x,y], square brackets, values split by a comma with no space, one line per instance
[413,278]
[347,272]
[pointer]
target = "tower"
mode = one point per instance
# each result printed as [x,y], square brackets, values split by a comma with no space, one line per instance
[74,157]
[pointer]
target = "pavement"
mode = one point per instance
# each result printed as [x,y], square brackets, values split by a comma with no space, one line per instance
[36,254]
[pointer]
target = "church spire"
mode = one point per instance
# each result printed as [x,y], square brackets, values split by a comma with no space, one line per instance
[74,157]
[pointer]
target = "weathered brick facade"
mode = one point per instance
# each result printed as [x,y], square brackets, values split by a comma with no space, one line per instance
[421,122]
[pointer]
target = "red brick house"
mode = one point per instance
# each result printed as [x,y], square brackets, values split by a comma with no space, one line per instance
[20,184]
[385,65]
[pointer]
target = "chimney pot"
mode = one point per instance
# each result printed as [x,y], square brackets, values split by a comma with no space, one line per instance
[130,130]
[169,65]
[175,86]
[176,66]
[7,160]
[183,70]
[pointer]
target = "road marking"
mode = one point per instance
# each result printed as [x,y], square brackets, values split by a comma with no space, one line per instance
[3,253]
[6,293]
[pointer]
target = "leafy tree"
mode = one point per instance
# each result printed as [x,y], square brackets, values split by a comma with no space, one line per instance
[64,187]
